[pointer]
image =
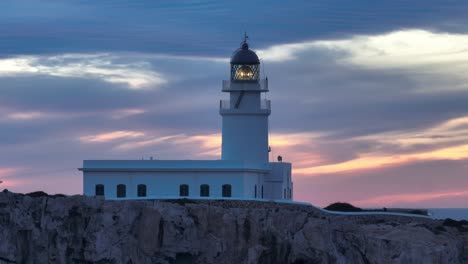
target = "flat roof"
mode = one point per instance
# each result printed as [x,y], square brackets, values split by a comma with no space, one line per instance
[171,165]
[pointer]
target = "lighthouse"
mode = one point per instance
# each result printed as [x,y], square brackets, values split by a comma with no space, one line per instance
[245,114]
[243,172]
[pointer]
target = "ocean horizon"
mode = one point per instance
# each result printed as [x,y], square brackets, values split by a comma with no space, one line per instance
[453,213]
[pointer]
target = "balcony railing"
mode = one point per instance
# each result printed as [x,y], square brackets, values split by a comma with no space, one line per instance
[226,105]
[261,85]
[265,104]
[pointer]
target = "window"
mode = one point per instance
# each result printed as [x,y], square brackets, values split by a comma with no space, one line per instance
[255,191]
[262,191]
[99,189]
[204,190]
[284,193]
[121,190]
[183,190]
[141,190]
[227,190]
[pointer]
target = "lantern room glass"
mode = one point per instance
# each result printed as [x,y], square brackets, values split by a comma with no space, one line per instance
[245,72]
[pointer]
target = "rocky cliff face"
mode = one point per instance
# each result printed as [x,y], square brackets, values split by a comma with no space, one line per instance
[81,229]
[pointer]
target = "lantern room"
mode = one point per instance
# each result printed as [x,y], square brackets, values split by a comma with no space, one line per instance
[245,65]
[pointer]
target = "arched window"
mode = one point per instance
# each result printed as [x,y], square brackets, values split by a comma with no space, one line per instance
[255,191]
[141,190]
[99,189]
[204,190]
[227,190]
[284,193]
[121,190]
[262,191]
[183,190]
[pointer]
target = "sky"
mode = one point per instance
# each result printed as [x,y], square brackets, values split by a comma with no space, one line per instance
[369,98]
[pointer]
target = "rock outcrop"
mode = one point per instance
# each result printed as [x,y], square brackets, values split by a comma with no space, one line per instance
[78,229]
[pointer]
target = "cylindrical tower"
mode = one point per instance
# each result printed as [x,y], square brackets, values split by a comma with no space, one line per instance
[245,115]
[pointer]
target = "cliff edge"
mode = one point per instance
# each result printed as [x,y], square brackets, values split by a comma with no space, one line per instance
[79,229]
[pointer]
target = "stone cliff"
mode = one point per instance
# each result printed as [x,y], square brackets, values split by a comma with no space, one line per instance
[78,229]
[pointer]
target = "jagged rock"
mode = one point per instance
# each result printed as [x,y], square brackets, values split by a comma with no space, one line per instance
[78,229]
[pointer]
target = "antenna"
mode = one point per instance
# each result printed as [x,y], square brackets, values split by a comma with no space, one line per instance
[244,42]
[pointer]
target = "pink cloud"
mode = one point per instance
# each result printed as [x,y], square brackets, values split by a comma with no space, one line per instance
[25,115]
[412,198]
[111,136]
[7,179]
[5,172]
[147,142]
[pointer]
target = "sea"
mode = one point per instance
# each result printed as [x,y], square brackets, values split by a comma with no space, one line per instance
[453,213]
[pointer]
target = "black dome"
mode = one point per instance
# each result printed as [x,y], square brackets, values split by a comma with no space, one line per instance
[244,56]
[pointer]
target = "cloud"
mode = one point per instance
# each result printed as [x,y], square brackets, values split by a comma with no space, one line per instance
[402,49]
[147,142]
[424,176]
[16,115]
[445,141]
[451,132]
[7,179]
[412,198]
[134,75]
[285,52]
[315,154]
[111,136]
[200,146]
[434,61]
[6,171]
[209,145]
[124,113]
[24,115]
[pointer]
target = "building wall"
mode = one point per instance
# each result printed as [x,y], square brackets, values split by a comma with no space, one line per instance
[278,184]
[166,184]
[245,137]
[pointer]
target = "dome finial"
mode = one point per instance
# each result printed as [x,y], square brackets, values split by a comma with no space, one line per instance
[244,43]
[244,55]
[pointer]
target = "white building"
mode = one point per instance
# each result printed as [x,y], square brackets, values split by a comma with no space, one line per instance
[244,171]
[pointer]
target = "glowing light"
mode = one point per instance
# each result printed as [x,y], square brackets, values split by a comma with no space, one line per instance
[244,73]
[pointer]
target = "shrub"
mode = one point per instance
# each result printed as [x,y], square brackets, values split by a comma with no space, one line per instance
[343,207]
[44,194]
[37,194]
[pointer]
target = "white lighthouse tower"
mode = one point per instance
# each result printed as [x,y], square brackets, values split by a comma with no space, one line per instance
[243,172]
[245,115]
